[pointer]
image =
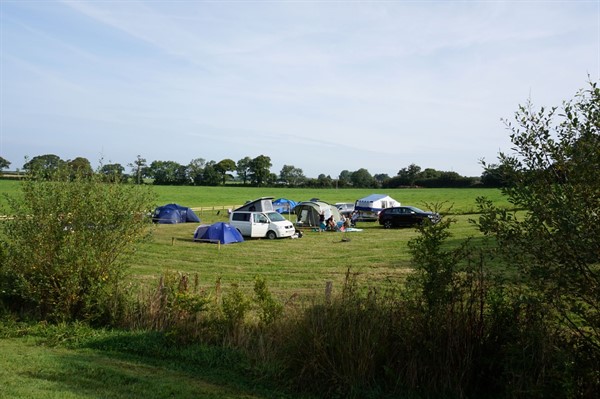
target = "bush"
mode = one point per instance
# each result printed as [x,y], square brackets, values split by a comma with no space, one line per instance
[65,245]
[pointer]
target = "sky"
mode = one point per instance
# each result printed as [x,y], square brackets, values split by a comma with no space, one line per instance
[324,86]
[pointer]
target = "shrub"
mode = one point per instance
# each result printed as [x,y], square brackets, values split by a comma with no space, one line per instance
[64,248]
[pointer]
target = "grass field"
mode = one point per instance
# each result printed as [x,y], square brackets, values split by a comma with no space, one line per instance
[291,267]
[295,266]
[463,200]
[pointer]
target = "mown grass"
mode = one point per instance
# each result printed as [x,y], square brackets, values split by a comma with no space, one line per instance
[291,266]
[463,199]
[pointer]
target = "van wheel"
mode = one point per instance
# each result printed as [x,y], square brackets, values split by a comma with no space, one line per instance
[387,224]
[271,235]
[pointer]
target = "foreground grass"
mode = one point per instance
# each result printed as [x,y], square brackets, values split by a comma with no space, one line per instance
[71,362]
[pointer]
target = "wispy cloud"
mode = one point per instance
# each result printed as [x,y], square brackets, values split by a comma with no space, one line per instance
[376,84]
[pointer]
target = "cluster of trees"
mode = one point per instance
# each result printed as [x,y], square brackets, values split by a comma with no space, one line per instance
[257,172]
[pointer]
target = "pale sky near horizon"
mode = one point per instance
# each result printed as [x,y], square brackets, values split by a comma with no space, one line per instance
[324,86]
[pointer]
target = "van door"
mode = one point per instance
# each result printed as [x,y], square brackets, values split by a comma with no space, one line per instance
[260,225]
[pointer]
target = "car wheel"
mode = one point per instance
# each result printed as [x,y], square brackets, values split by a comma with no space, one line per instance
[271,235]
[387,224]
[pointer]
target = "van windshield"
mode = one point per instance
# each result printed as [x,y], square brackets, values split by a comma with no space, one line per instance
[276,217]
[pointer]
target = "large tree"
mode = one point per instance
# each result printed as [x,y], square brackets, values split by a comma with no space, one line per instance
[80,165]
[260,170]
[194,171]
[362,178]
[243,169]
[292,175]
[224,166]
[167,173]
[410,173]
[4,164]
[44,165]
[137,167]
[552,175]
[112,172]
[345,178]
[210,175]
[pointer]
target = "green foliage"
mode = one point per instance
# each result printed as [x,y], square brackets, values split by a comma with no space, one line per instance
[259,170]
[4,164]
[269,309]
[553,175]
[44,166]
[66,244]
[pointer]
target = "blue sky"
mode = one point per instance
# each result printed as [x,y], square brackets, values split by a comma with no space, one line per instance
[325,86]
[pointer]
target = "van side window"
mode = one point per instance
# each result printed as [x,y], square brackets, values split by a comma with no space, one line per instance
[241,217]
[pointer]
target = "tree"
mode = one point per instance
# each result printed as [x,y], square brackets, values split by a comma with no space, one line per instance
[243,169]
[553,176]
[69,241]
[324,181]
[195,170]
[210,175]
[292,175]
[224,166]
[410,174]
[362,178]
[344,179]
[44,165]
[260,170]
[167,173]
[80,166]
[381,177]
[112,172]
[493,176]
[138,167]
[4,164]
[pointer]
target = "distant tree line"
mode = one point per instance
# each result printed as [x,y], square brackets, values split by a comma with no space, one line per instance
[256,172]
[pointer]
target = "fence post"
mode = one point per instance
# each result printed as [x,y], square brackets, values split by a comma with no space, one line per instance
[328,289]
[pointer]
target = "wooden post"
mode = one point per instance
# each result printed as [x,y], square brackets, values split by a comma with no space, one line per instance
[172,241]
[328,289]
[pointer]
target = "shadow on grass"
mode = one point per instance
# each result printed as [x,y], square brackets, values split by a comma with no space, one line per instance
[150,362]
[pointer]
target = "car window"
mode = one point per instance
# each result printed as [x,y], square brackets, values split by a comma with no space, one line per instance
[276,217]
[260,218]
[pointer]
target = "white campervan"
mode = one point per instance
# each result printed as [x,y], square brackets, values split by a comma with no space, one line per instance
[261,224]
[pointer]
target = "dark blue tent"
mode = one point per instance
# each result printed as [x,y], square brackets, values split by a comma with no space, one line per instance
[284,205]
[173,213]
[220,231]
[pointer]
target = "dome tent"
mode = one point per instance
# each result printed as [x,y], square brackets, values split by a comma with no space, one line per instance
[173,214]
[308,212]
[220,231]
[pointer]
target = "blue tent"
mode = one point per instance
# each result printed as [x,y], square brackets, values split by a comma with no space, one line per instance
[283,205]
[173,213]
[220,231]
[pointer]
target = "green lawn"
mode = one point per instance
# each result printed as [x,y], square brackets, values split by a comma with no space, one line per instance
[290,266]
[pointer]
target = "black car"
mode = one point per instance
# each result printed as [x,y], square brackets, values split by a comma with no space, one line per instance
[405,216]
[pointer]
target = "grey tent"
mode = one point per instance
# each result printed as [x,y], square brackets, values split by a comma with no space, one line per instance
[307,213]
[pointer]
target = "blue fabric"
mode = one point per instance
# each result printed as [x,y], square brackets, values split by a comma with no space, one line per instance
[284,205]
[222,232]
[173,213]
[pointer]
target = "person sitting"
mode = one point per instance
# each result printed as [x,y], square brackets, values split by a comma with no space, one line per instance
[331,224]
[354,219]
